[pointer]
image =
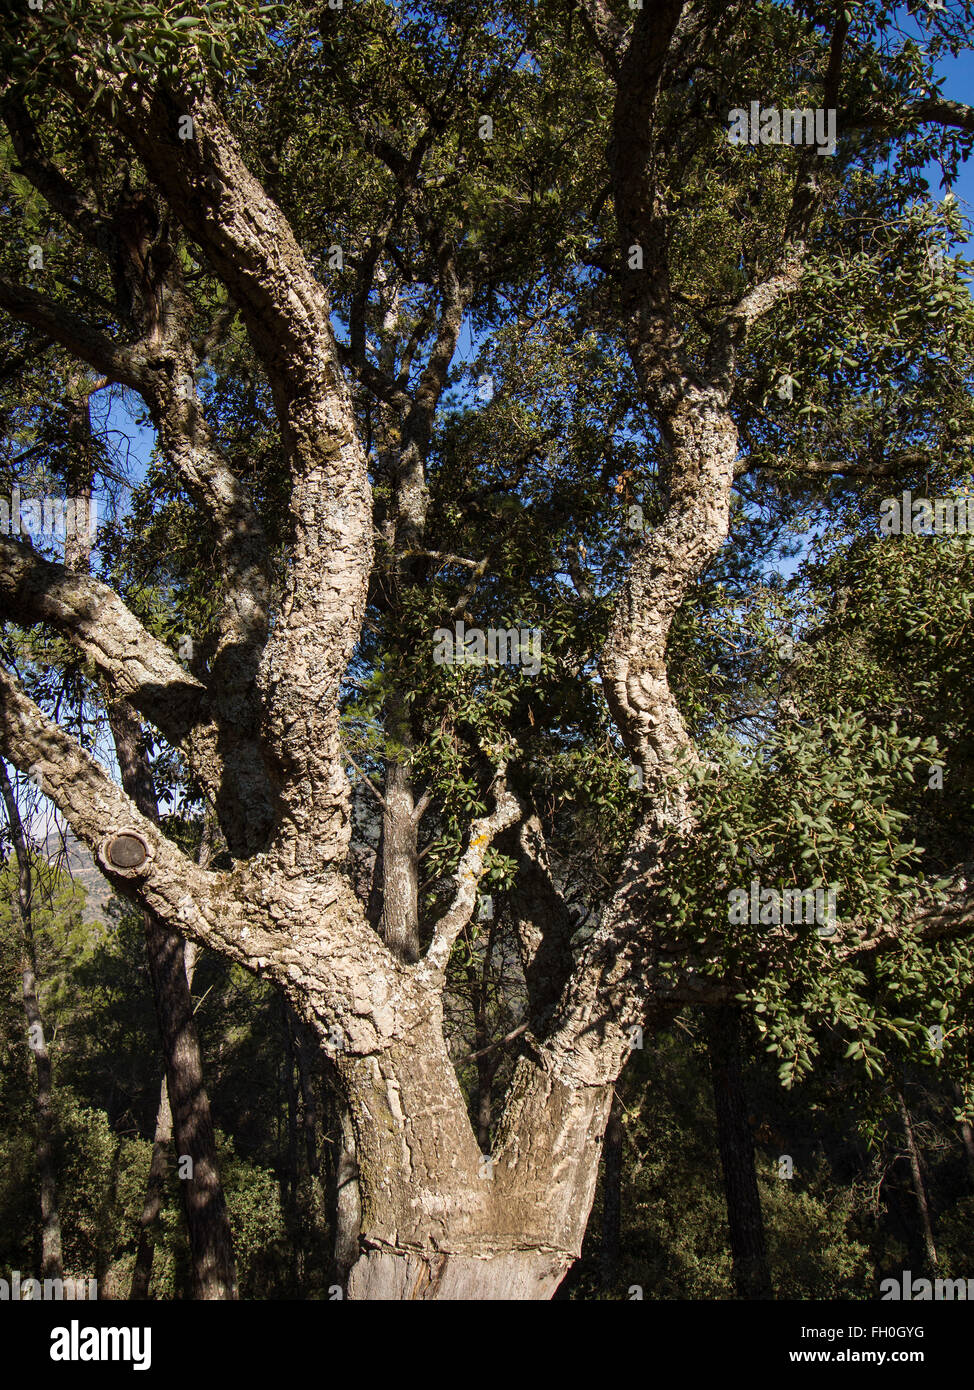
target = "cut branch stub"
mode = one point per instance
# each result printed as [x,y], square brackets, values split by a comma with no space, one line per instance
[126,852]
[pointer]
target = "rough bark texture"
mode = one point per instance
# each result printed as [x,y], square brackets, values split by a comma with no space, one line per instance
[422,1215]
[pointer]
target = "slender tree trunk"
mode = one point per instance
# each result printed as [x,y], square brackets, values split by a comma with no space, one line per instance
[399,923]
[156,1182]
[51,1257]
[967,1137]
[309,1101]
[966,1134]
[107,1222]
[919,1187]
[207,1223]
[154,1192]
[486,1059]
[291,1101]
[752,1276]
[348,1201]
[612,1193]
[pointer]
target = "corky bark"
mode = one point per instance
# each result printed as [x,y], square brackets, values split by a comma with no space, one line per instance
[289,912]
[436,1220]
[423,1215]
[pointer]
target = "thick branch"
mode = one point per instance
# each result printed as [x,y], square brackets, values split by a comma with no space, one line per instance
[252,248]
[97,623]
[116,361]
[168,882]
[830,467]
[951,915]
[653,339]
[941,111]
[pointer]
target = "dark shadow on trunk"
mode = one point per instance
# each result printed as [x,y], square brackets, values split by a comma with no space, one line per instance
[154,1193]
[752,1276]
[919,1186]
[612,1146]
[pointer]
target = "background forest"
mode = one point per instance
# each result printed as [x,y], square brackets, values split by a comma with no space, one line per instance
[853,1211]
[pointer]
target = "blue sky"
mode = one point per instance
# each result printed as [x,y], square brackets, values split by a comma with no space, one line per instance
[959,86]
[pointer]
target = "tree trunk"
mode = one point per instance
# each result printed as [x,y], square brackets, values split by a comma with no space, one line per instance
[752,1276]
[966,1134]
[437,1220]
[348,1206]
[51,1257]
[154,1190]
[156,1183]
[919,1187]
[207,1223]
[310,1112]
[399,923]
[291,1101]
[106,1222]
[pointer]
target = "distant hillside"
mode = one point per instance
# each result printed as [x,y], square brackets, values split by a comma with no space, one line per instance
[65,851]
